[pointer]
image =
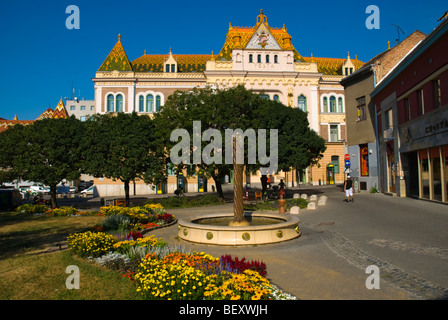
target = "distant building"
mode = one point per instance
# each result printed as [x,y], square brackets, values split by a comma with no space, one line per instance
[361,114]
[80,108]
[411,103]
[58,112]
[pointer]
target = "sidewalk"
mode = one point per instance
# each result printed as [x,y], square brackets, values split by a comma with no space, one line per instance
[322,263]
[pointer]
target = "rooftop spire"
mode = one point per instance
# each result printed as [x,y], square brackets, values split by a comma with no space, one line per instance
[262,18]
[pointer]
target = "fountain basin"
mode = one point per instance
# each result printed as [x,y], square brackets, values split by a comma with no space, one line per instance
[265,228]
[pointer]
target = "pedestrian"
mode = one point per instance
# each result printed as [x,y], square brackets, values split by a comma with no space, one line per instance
[348,188]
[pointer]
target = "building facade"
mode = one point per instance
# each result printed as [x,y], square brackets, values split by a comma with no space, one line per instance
[412,107]
[264,60]
[80,108]
[361,118]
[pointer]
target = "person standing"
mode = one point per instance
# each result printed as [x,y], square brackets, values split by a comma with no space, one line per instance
[348,188]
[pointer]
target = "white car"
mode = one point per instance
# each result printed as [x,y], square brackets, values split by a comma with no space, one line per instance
[88,192]
[39,189]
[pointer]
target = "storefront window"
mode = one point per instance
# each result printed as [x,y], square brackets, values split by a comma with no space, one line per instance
[436,173]
[364,152]
[424,167]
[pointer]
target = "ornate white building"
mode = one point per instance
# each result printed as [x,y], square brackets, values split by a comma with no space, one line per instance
[263,59]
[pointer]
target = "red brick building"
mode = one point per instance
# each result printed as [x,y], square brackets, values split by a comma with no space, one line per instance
[412,107]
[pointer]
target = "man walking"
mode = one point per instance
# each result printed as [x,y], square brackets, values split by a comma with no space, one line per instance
[348,188]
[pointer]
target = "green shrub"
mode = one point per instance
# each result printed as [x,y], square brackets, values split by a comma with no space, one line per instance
[64,211]
[29,208]
[116,222]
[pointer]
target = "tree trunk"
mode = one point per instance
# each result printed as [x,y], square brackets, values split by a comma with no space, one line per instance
[126,192]
[53,192]
[217,179]
[238,208]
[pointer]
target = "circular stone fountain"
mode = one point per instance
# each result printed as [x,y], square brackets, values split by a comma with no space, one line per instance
[264,228]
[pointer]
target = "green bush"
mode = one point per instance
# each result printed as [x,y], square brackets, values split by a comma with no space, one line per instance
[29,208]
[64,211]
[116,222]
[185,202]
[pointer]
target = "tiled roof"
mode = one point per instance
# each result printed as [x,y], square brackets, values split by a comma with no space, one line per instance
[46,114]
[185,62]
[246,34]
[5,124]
[117,59]
[332,66]
[59,111]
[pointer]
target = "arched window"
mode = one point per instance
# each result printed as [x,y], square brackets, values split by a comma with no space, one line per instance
[301,102]
[119,103]
[276,97]
[149,103]
[267,58]
[340,105]
[276,59]
[332,104]
[325,104]
[110,103]
[158,103]
[251,58]
[141,104]
[259,58]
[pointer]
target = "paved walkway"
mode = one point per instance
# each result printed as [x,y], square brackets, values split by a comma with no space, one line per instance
[406,239]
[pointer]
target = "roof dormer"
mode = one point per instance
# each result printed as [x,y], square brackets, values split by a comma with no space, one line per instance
[170,65]
[348,67]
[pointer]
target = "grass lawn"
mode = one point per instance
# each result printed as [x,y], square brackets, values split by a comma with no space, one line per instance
[27,272]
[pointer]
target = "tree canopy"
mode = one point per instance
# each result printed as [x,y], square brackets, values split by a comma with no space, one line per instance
[122,147]
[238,108]
[46,151]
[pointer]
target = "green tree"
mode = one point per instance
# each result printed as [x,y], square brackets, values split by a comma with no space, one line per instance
[46,151]
[121,147]
[298,145]
[216,109]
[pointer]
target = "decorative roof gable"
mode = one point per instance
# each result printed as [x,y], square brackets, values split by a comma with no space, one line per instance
[60,111]
[117,59]
[241,37]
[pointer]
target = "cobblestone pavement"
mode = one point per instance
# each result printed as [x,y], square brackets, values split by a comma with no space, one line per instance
[415,286]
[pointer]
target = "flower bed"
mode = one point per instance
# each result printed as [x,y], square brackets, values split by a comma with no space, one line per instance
[161,272]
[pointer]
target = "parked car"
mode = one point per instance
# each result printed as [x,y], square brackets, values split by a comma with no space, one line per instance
[88,192]
[39,190]
[10,198]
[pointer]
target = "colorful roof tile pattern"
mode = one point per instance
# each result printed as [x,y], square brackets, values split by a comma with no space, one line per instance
[47,114]
[185,62]
[5,124]
[237,37]
[240,37]
[60,112]
[117,59]
[332,66]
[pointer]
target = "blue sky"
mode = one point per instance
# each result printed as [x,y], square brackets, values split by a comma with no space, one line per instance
[41,59]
